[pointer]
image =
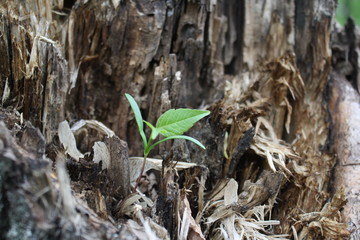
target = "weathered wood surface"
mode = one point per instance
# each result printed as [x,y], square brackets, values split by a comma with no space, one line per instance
[262,67]
[33,203]
[344,111]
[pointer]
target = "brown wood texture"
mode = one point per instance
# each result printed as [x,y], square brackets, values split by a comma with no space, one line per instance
[277,128]
[344,108]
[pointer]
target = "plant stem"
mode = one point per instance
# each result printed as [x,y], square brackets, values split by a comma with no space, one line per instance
[141,173]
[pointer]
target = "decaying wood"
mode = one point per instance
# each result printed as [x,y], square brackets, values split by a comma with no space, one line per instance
[119,164]
[167,203]
[35,202]
[272,169]
[344,108]
[34,70]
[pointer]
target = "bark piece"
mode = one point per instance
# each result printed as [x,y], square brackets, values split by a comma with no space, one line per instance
[118,170]
[213,156]
[32,203]
[265,188]
[168,200]
[189,229]
[33,141]
[345,112]
[67,140]
[36,76]
[344,107]
[244,138]
[114,153]
[193,181]
[101,153]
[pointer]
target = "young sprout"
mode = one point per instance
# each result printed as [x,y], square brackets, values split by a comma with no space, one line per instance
[171,124]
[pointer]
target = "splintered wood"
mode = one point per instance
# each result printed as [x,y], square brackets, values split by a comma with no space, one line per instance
[70,153]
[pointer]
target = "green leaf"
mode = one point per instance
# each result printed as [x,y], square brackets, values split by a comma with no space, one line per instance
[176,137]
[177,121]
[154,131]
[138,117]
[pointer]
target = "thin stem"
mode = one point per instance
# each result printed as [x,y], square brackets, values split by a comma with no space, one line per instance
[141,173]
[146,152]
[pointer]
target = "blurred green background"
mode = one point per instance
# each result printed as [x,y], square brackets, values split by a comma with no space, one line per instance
[348,8]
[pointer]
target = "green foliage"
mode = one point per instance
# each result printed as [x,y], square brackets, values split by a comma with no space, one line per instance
[171,125]
[138,117]
[177,137]
[177,121]
[346,9]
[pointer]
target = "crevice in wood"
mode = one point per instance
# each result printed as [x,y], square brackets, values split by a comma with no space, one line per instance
[69,3]
[10,79]
[267,138]
[44,86]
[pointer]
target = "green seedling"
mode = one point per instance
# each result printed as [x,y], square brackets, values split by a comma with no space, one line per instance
[171,125]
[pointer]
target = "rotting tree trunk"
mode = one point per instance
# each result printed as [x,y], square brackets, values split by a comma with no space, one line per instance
[344,108]
[269,62]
